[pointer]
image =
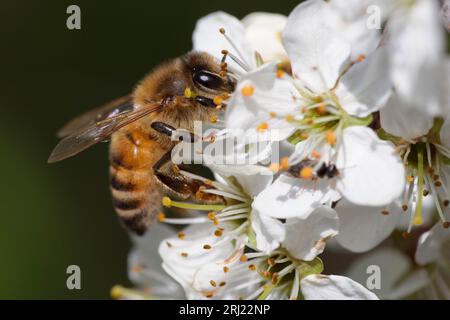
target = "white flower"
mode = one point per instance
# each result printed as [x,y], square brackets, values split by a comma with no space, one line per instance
[424,149]
[263,100]
[434,247]
[321,287]
[363,227]
[337,97]
[398,277]
[416,41]
[145,271]
[276,276]
[258,32]
[263,31]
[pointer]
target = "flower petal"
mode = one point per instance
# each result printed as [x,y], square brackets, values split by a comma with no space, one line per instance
[361,95]
[290,197]
[144,264]
[371,172]
[306,238]
[252,178]
[431,244]
[271,101]
[317,53]
[321,287]
[418,78]
[182,257]
[263,31]
[445,133]
[396,281]
[362,228]
[269,232]
[396,118]
[207,38]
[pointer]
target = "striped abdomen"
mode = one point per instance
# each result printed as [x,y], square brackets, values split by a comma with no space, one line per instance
[136,195]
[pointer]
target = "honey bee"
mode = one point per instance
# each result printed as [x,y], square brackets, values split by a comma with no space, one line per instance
[140,127]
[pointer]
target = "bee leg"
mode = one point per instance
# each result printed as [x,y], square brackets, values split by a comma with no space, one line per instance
[175,134]
[176,184]
[204,101]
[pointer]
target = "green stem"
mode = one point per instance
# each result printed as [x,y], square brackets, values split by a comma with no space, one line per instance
[267,291]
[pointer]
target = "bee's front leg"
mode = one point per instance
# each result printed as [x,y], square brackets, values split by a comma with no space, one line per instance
[175,134]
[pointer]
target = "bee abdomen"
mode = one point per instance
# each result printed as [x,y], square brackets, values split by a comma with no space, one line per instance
[135,198]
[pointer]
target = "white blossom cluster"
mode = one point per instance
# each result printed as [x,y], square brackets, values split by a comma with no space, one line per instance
[359,92]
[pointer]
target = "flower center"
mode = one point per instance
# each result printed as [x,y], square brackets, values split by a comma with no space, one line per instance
[425,161]
[280,273]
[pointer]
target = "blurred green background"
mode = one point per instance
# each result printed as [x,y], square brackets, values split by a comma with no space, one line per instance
[57,215]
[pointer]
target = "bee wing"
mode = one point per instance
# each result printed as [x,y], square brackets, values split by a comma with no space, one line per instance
[89,118]
[99,131]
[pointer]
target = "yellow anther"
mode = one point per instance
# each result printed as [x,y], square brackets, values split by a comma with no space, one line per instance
[317,99]
[217,100]
[213,118]
[166,202]
[218,232]
[252,267]
[274,167]
[316,155]
[360,58]
[181,235]
[117,292]
[284,165]
[207,247]
[410,179]
[248,91]
[226,269]
[211,215]
[446,224]
[280,73]
[188,93]
[290,118]
[243,258]
[161,217]
[307,172]
[213,283]
[223,283]
[184,254]
[322,109]
[273,114]
[222,30]
[330,137]
[385,212]
[262,127]
[216,221]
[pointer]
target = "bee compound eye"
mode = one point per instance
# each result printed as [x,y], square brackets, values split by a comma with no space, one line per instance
[207,79]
